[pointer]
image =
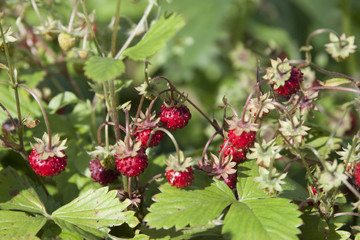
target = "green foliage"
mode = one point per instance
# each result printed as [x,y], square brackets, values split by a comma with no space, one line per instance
[18,193]
[155,38]
[61,100]
[181,207]
[101,69]
[19,224]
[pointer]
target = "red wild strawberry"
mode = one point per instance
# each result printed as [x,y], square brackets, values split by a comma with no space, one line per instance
[180,179]
[357,174]
[292,85]
[231,180]
[133,165]
[178,171]
[244,140]
[143,137]
[101,174]
[238,156]
[48,162]
[174,117]
[47,167]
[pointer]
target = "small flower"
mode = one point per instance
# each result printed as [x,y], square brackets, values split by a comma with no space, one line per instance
[295,130]
[331,177]
[264,153]
[339,50]
[270,183]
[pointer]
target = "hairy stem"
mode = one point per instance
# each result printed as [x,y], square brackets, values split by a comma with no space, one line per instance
[132,35]
[114,33]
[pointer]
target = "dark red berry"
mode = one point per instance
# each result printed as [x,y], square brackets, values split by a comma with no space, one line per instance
[133,165]
[244,140]
[48,167]
[101,174]
[231,180]
[143,136]
[174,117]
[180,179]
[357,175]
[238,155]
[292,85]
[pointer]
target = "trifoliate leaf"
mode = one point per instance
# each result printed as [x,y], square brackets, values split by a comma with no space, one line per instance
[18,224]
[100,69]
[178,208]
[155,38]
[256,215]
[61,100]
[266,219]
[17,193]
[93,212]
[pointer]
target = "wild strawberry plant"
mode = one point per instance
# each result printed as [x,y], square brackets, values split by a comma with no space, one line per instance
[101,169]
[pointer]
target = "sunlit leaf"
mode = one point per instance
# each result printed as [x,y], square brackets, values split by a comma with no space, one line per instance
[155,38]
[100,69]
[19,224]
[17,193]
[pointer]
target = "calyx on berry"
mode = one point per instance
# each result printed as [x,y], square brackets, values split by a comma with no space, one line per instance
[178,162]
[105,156]
[179,172]
[222,166]
[42,147]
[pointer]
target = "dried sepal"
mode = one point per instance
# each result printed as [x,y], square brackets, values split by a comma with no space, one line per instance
[123,151]
[332,176]
[259,107]
[42,146]
[278,73]
[340,49]
[239,126]
[264,153]
[270,183]
[178,163]
[294,129]
[222,167]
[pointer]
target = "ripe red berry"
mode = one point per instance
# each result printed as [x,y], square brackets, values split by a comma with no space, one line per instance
[357,175]
[180,179]
[238,155]
[292,85]
[133,165]
[143,136]
[174,117]
[244,140]
[313,190]
[48,167]
[231,180]
[101,174]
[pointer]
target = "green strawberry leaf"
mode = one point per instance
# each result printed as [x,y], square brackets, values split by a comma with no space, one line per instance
[27,104]
[178,208]
[61,100]
[93,212]
[18,193]
[32,79]
[266,218]
[100,69]
[155,38]
[18,224]
[262,217]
